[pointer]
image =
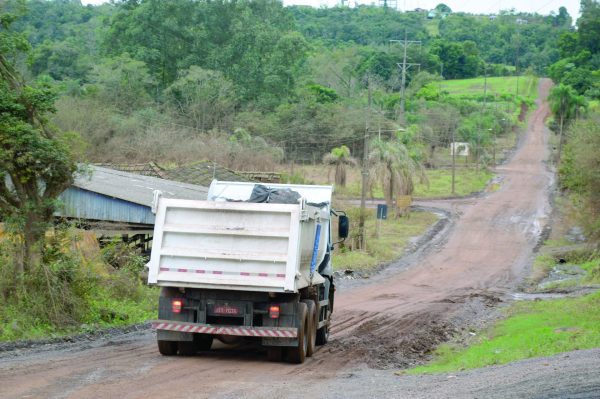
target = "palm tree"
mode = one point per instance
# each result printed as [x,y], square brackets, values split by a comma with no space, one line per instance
[391,165]
[340,158]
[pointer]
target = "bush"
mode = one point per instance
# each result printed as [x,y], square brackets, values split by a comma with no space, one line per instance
[69,289]
[580,172]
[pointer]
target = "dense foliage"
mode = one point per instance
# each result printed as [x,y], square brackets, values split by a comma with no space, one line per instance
[174,80]
[575,106]
[579,65]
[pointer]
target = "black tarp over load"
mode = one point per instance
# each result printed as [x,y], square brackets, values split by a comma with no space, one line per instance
[264,194]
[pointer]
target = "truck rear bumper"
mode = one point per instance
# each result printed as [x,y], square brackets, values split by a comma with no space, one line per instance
[240,331]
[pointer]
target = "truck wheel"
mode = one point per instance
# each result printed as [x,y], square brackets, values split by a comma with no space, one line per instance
[274,353]
[187,348]
[167,348]
[312,328]
[203,342]
[297,354]
[323,335]
[323,332]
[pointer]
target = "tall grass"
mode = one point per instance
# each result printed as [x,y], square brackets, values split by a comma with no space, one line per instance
[71,289]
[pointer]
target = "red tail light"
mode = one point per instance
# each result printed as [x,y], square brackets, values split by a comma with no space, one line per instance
[274,311]
[176,305]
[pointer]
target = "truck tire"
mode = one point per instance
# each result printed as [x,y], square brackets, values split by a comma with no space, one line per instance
[274,353]
[167,348]
[297,354]
[311,309]
[187,348]
[203,342]
[323,335]
[323,332]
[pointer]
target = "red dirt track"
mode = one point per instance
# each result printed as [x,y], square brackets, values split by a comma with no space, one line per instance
[387,323]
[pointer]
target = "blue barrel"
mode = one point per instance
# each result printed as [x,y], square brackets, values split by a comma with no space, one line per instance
[381,211]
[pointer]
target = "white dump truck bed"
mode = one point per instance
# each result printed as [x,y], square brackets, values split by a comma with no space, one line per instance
[222,244]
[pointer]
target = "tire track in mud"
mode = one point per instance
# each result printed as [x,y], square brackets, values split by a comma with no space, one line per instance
[397,321]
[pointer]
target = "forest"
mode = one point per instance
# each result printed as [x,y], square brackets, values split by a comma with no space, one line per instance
[249,84]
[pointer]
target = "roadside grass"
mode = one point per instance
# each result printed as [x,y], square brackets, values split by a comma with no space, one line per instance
[542,264]
[103,310]
[495,85]
[532,329]
[394,236]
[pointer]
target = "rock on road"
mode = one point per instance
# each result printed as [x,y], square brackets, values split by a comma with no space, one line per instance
[382,323]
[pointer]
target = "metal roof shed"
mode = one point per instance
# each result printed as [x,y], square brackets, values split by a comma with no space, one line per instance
[107,195]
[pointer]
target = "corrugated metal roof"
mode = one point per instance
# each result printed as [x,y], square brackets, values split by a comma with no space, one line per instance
[146,169]
[202,173]
[134,188]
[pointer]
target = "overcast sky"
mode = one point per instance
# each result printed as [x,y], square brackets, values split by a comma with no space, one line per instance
[476,7]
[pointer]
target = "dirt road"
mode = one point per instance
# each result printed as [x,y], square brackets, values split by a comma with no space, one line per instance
[390,322]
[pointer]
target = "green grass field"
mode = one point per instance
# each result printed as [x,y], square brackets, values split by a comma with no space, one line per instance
[467,181]
[495,85]
[533,329]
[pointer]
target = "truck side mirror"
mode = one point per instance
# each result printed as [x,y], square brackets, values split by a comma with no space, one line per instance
[343,226]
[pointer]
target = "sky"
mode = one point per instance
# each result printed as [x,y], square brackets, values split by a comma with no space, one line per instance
[476,7]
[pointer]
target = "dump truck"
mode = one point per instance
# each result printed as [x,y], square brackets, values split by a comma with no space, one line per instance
[252,262]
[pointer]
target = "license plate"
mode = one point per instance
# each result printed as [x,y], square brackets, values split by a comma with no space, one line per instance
[226,310]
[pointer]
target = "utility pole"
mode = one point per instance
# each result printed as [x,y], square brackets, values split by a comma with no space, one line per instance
[453,160]
[484,85]
[441,76]
[483,110]
[365,174]
[404,66]
[517,59]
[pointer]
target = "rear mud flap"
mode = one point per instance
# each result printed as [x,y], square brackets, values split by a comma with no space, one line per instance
[165,335]
[280,342]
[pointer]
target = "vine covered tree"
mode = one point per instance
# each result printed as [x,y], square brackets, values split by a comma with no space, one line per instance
[564,102]
[35,163]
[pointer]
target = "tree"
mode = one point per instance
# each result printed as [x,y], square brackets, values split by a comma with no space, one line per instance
[391,165]
[589,25]
[35,163]
[461,60]
[340,158]
[439,122]
[204,97]
[563,18]
[563,101]
[124,82]
[443,8]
